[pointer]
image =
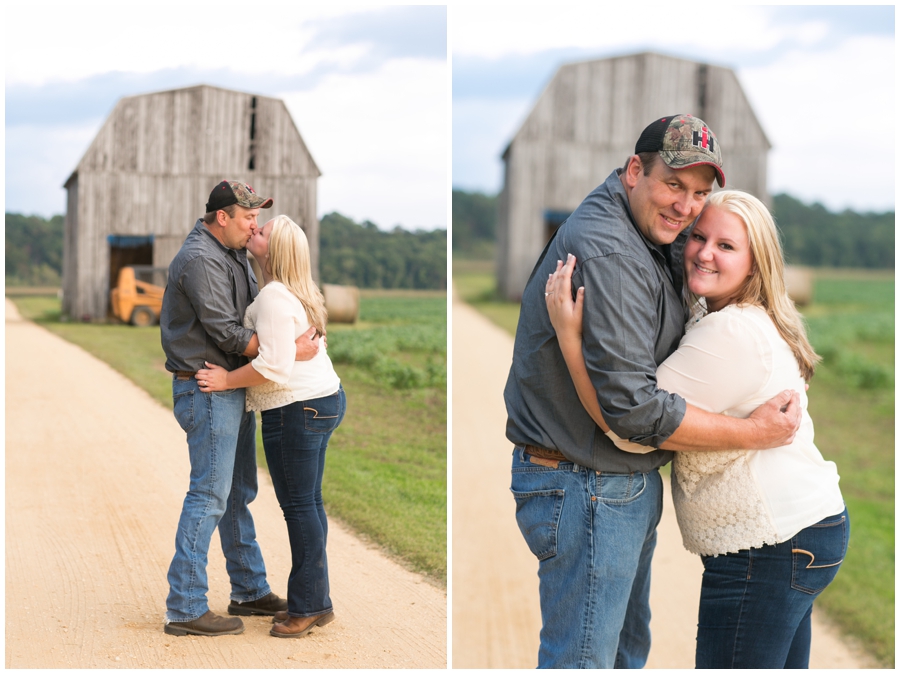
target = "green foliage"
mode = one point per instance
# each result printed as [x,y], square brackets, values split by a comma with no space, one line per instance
[850,325]
[816,237]
[350,254]
[364,256]
[474,223]
[405,347]
[34,250]
[851,401]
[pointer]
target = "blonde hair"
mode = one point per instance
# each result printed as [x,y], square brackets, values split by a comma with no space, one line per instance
[288,262]
[765,287]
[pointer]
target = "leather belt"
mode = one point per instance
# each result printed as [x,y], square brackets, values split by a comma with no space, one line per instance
[183,375]
[542,453]
[545,457]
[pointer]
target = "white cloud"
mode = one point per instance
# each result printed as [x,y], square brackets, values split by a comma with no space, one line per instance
[70,41]
[491,30]
[828,114]
[381,137]
[380,140]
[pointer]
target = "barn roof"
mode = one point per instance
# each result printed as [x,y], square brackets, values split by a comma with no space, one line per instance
[185,117]
[644,55]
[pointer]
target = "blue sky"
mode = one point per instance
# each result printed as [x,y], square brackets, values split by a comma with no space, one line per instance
[367,86]
[821,79]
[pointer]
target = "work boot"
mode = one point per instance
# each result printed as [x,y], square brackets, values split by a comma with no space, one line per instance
[207,625]
[268,605]
[297,627]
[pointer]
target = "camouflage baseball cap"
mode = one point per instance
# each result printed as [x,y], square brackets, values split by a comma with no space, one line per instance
[229,192]
[683,141]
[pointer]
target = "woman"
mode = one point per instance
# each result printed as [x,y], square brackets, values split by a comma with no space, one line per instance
[301,403]
[770,526]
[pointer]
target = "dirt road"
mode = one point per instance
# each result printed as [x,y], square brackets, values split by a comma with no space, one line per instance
[95,475]
[496,617]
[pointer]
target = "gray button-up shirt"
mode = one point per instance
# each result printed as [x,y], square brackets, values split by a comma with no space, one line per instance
[209,288]
[634,318]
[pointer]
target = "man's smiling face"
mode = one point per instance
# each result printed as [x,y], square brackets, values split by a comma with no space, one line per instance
[666,201]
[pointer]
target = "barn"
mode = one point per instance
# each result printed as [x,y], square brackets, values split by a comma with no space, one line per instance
[145,179]
[585,124]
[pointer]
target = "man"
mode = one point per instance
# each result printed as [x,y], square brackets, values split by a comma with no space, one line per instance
[587,510]
[210,286]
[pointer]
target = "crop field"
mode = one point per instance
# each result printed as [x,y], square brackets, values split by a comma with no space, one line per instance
[386,474]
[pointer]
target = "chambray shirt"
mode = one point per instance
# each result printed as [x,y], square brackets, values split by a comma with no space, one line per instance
[634,317]
[209,288]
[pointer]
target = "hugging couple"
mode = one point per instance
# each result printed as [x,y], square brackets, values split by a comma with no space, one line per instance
[679,343]
[214,319]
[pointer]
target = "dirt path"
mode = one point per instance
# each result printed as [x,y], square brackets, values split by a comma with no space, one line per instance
[496,617]
[95,475]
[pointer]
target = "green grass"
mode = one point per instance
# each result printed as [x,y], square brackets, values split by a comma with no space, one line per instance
[386,474]
[851,324]
[475,283]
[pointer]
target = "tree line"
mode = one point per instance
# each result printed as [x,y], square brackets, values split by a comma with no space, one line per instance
[34,250]
[349,253]
[368,257]
[811,234]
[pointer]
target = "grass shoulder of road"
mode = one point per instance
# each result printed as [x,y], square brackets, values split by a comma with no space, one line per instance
[851,401]
[386,474]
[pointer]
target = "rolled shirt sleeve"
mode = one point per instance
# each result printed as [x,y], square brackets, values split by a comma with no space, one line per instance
[722,362]
[622,348]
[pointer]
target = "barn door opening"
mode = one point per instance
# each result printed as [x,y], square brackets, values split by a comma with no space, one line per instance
[552,221]
[127,251]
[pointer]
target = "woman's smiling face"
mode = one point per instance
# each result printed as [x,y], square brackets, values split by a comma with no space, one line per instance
[717,257]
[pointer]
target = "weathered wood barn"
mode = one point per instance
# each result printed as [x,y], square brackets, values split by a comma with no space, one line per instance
[145,179]
[585,124]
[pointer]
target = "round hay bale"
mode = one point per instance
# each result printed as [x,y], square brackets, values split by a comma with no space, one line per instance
[342,303]
[799,282]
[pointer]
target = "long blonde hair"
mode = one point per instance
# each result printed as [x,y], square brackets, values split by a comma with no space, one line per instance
[288,262]
[766,287]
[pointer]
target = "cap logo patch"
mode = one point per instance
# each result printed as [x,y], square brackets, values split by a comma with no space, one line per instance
[704,139]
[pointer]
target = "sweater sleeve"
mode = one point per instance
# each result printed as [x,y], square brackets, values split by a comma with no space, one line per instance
[722,362]
[275,329]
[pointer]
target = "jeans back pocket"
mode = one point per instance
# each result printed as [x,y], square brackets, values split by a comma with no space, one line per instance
[323,415]
[183,408]
[817,552]
[537,514]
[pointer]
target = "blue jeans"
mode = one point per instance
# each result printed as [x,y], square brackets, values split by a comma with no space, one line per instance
[295,438]
[594,535]
[755,605]
[222,446]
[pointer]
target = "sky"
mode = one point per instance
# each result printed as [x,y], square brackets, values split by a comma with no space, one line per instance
[821,80]
[367,86]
